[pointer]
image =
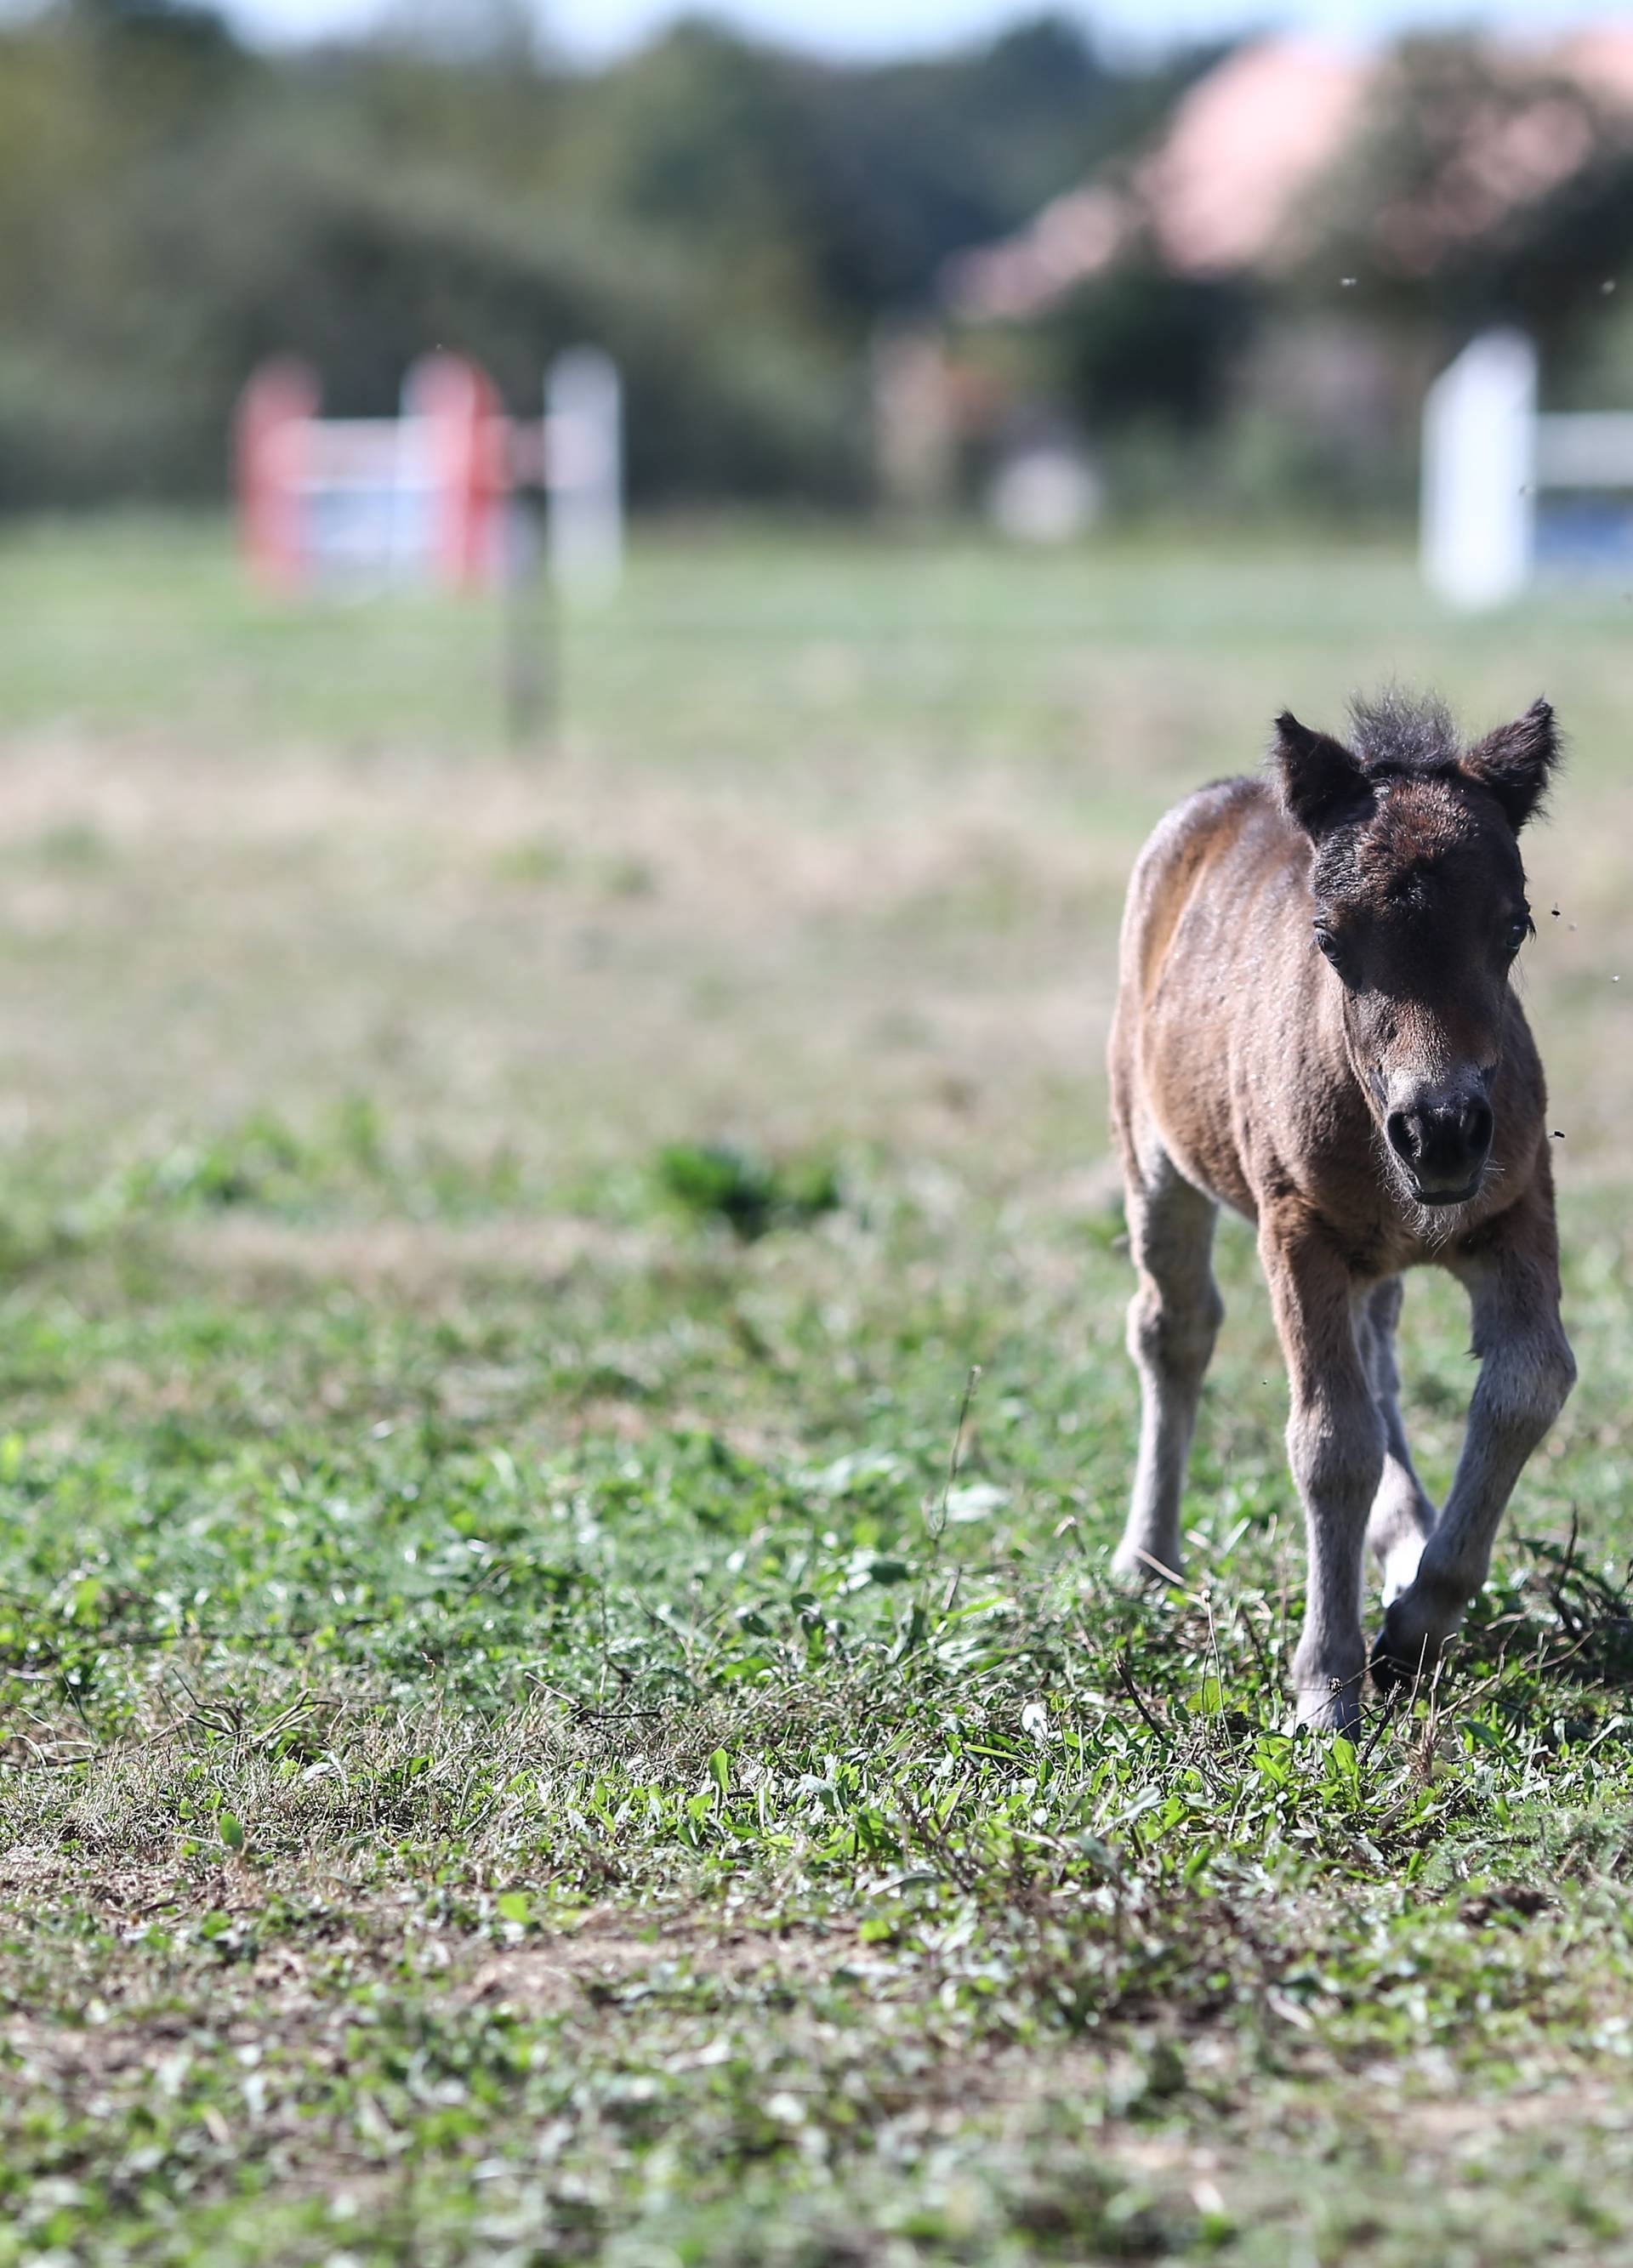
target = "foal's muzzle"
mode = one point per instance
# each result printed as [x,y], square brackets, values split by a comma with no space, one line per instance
[1443,1141]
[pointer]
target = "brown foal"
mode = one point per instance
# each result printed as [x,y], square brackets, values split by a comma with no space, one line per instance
[1315,1026]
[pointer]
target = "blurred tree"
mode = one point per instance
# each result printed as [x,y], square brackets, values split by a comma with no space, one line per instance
[182,25]
[729,219]
[1480,184]
[1484,188]
[1146,347]
[917,160]
[502,32]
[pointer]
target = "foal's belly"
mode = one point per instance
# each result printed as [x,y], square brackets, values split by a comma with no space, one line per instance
[1199,1122]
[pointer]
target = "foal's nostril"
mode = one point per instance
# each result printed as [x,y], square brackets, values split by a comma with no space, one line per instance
[1402,1139]
[1477,1127]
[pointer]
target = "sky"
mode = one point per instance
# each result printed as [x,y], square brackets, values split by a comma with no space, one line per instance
[592,29]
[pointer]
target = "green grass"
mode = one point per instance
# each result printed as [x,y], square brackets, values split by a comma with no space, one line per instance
[545,1714]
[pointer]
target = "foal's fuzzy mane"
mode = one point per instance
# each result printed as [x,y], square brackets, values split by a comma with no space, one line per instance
[1406,734]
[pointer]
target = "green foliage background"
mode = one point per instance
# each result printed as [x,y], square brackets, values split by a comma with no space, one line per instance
[727,220]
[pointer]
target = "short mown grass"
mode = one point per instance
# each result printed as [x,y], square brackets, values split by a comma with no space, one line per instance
[559,1697]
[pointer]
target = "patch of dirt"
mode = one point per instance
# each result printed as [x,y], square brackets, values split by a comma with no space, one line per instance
[1509,1902]
[1570,2104]
[598,1957]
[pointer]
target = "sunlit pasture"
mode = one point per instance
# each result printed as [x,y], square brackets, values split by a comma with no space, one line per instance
[564,1416]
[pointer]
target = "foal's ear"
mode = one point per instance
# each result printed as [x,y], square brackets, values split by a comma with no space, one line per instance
[1320,779]
[1515,762]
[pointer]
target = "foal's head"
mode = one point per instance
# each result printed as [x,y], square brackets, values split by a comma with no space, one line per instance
[1420,910]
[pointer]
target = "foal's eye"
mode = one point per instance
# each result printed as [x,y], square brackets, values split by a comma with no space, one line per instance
[1328,944]
[1519,931]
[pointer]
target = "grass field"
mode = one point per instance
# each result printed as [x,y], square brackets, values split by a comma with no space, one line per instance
[545,1714]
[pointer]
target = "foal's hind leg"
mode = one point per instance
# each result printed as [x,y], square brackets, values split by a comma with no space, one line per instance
[1173,1319]
[1402,1514]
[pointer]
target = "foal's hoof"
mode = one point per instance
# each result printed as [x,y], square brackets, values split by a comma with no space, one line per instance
[1138,1568]
[1389,1674]
[1416,1625]
[1330,1708]
[1400,1658]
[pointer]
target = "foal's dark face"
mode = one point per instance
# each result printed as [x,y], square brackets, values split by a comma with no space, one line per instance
[1420,910]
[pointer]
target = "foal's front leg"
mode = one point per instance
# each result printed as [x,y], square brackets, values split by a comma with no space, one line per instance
[1526,1370]
[1173,1319]
[1335,1446]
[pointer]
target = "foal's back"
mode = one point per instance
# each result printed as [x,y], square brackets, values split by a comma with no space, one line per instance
[1215,993]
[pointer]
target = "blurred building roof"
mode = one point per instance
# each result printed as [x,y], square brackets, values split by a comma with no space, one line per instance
[1228,188]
